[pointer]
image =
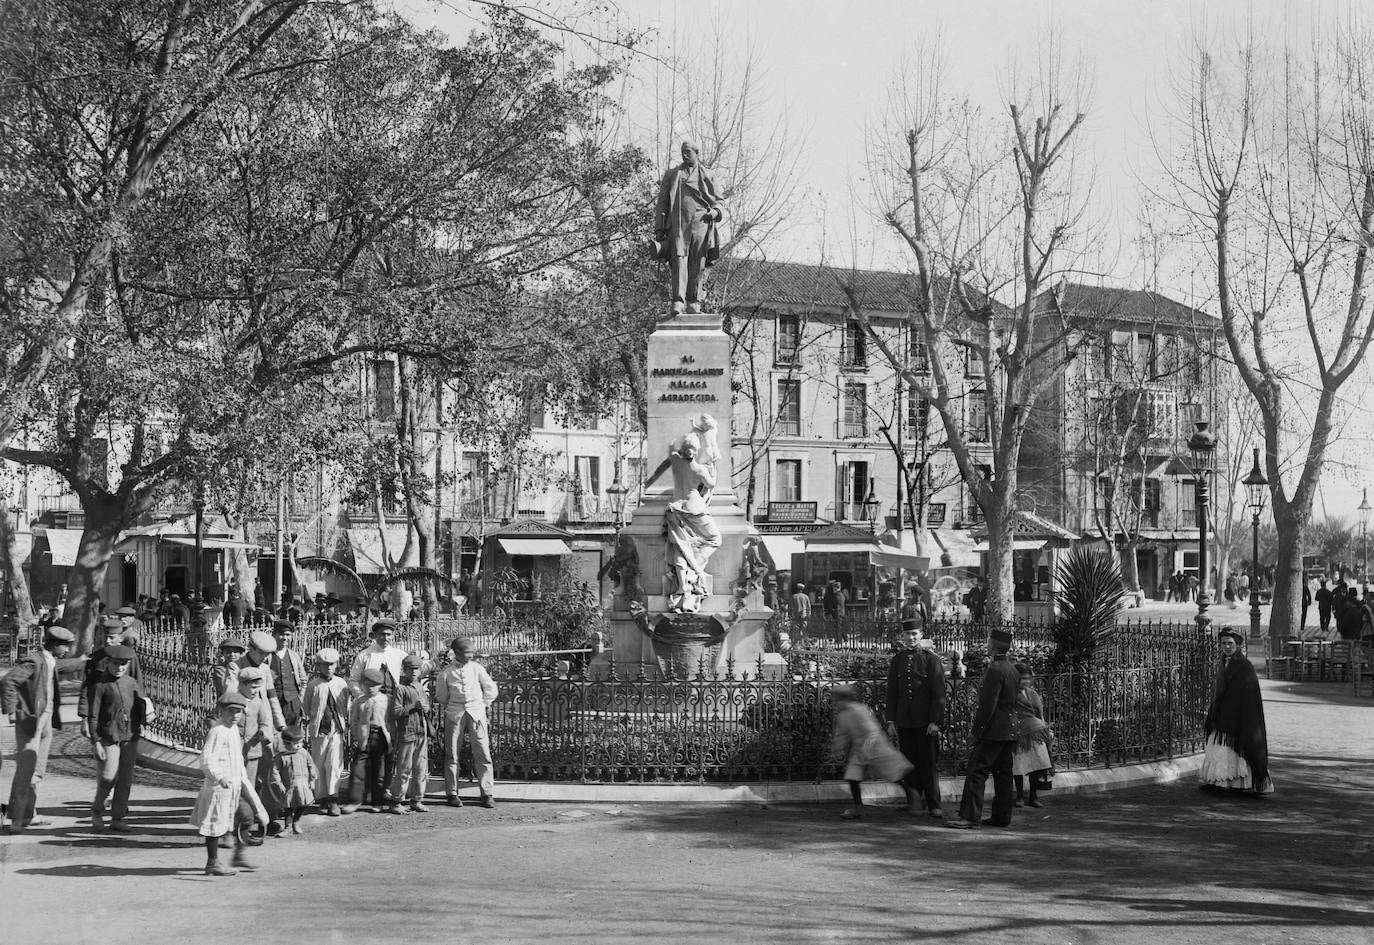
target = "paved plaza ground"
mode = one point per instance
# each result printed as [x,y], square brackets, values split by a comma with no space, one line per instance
[1164,863]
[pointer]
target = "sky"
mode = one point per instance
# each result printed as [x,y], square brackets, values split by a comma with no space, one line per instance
[829,63]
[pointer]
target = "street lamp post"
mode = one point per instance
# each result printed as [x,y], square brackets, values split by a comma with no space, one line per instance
[1364,537]
[1201,445]
[1258,489]
[616,493]
[870,515]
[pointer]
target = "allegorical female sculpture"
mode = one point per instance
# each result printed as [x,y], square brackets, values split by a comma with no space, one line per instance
[692,536]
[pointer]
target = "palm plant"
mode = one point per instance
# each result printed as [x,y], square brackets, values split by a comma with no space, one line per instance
[1089,601]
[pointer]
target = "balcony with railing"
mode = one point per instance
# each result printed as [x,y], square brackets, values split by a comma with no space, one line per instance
[853,355]
[852,429]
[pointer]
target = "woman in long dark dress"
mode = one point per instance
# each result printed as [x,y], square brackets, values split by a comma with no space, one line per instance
[1236,756]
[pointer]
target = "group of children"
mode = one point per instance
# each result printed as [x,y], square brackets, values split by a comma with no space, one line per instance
[379,733]
[868,753]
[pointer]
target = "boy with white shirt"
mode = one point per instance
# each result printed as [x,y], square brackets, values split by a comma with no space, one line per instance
[464,690]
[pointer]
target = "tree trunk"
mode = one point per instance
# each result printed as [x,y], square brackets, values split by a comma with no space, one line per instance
[1287,604]
[1001,583]
[103,525]
[18,581]
[1130,567]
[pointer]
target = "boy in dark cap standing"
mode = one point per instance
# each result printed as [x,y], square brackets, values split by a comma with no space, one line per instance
[368,718]
[112,634]
[411,730]
[29,696]
[116,721]
[993,736]
[288,671]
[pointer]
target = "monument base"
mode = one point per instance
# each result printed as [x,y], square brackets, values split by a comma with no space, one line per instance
[723,630]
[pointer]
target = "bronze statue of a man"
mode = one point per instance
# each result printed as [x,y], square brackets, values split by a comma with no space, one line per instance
[685,227]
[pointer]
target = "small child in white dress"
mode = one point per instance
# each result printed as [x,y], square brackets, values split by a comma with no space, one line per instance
[225,787]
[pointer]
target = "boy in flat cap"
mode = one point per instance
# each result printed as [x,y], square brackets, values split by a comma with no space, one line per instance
[464,690]
[368,718]
[225,787]
[224,675]
[258,731]
[288,672]
[993,738]
[410,731]
[116,722]
[325,707]
[29,696]
[112,634]
[261,646]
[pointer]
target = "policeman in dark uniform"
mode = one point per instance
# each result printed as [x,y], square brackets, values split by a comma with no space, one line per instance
[993,735]
[915,709]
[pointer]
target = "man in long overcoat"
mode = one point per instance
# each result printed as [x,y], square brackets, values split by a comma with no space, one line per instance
[685,227]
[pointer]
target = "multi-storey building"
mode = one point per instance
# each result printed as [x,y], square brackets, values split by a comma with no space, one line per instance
[825,429]
[1106,453]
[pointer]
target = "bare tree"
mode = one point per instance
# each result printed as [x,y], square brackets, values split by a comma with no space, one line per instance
[985,210]
[1275,174]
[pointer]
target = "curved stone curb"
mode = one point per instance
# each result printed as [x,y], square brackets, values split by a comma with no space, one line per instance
[176,760]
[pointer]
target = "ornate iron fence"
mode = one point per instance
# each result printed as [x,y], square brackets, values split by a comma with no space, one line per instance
[489,635]
[743,727]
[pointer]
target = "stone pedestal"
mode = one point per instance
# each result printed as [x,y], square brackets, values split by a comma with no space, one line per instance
[689,375]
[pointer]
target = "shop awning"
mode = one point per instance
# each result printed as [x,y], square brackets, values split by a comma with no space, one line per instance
[781,548]
[215,543]
[895,558]
[63,543]
[1019,544]
[535,547]
[840,547]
